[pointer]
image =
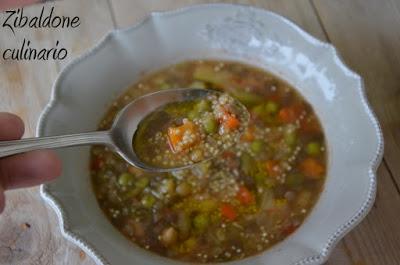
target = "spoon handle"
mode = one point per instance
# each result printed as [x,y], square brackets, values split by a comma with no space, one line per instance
[8,148]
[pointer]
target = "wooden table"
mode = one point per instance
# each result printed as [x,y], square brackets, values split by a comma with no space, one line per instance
[367,35]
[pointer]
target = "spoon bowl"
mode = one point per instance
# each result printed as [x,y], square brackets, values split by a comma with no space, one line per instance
[120,136]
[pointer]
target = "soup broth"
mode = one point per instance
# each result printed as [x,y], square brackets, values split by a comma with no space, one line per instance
[250,197]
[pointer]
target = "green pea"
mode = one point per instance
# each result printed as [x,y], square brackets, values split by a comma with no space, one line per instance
[125,179]
[257,146]
[142,183]
[313,148]
[291,138]
[200,222]
[210,124]
[148,201]
[271,107]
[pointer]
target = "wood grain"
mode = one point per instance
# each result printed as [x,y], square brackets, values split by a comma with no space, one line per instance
[365,33]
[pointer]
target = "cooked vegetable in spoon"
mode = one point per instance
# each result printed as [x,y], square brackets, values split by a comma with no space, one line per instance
[183,133]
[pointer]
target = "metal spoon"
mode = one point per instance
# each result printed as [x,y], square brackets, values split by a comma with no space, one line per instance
[119,137]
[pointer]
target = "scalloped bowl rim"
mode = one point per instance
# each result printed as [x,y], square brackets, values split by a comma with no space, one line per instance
[333,239]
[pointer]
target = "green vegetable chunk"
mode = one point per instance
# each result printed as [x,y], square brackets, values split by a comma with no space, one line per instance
[247,98]
[200,222]
[210,124]
[271,107]
[142,183]
[203,105]
[313,148]
[125,179]
[148,201]
[257,146]
[291,138]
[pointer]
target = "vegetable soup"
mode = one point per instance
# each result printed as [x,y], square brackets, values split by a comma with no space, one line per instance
[186,132]
[245,200]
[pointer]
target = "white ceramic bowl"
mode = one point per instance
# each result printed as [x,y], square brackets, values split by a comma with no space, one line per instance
[89,84]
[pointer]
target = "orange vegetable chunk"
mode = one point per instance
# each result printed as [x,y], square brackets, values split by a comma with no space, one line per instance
[182,137]
[273,168]
[245,196]
[228,212]
[311,168]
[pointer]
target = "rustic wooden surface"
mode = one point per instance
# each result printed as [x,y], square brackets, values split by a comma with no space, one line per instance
[367,35]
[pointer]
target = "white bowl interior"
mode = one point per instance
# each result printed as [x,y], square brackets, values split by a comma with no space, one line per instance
[85,90]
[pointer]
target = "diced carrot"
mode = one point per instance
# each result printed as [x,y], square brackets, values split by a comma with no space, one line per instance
[310,125]
[245,196]
[291,113]
[248,135]
[231,122]
[273,168]
[228,212]
[287,115]
[289,229]
[228,120]
[228,155]
[175,136]
[311,168]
